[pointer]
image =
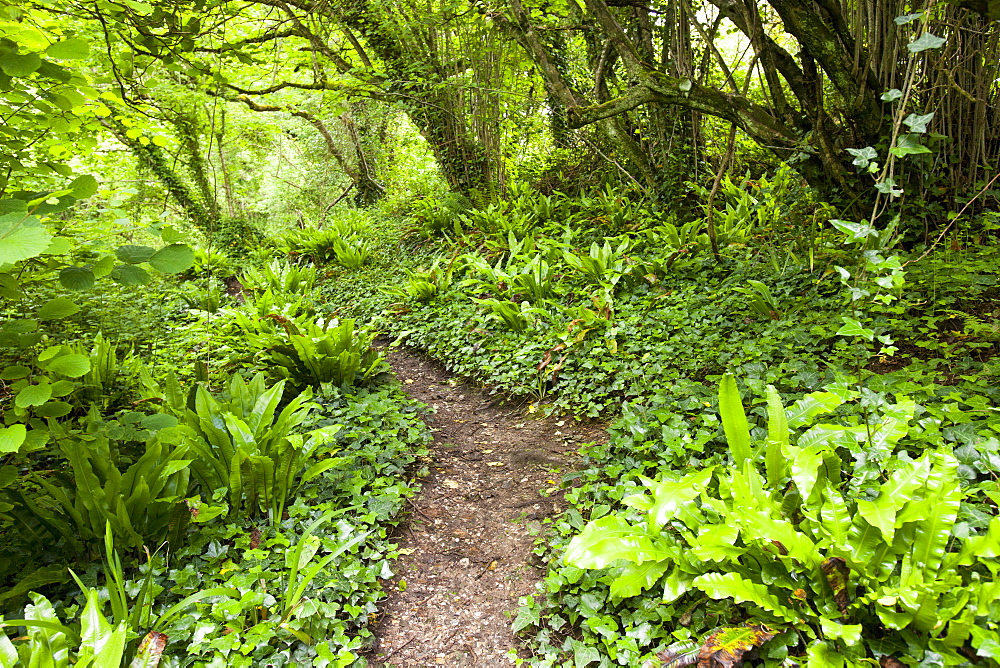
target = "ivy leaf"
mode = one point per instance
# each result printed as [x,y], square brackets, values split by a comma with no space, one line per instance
[173,259]
[855,231]
[926,41]
[907,18]
[57,309]
[918,123]
[863,156]
[73,48]
[908,144]
[888,187]
[853,328]
[76,278]
[892,95]
[11,438]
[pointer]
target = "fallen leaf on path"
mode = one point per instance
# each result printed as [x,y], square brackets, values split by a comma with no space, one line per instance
[494,463]
[451,484]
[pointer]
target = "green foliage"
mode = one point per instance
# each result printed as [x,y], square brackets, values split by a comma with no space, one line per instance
[424,284]
[830,534]
[242,444]
[92,642]
[209,262]
[142,502]
[326,353]
[343,242]
[280,277]
[437,216]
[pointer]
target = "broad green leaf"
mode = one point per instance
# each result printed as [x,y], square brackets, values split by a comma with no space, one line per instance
[777,439]
[53,409]
[854,328]
[33,395]
[38,578]
[95,630]
[158,421]
[987,545]
[670,496]
[10,287]
[76,278]
[675,585]
[73,48]
[173,259]
[908,144]
[607,540]
[805,409]
[84,186]
[931,535]
[14,372]
[51,352]
[19,65]
[879,515]
[57,309]
[734,420]
[805,468]
[72,365]
[104,266]
[836,518]
[986,642]
[731,585]
[131,254]
[855,231]
[716,542]
[893,495]
[141,8]
[58,246]
[129,274]
[772,533]
[11,438]
[926,41]
[21,240]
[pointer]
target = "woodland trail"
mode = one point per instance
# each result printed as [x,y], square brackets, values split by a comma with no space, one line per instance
[467,547]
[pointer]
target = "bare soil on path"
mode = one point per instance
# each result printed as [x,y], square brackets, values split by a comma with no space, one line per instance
[467,546]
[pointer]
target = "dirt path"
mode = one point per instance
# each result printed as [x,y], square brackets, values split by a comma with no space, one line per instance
[467,546]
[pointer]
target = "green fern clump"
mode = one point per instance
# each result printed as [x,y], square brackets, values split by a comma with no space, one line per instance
[824,561]
[280,276]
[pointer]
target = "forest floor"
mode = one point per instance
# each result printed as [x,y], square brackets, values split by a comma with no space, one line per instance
[467,546]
